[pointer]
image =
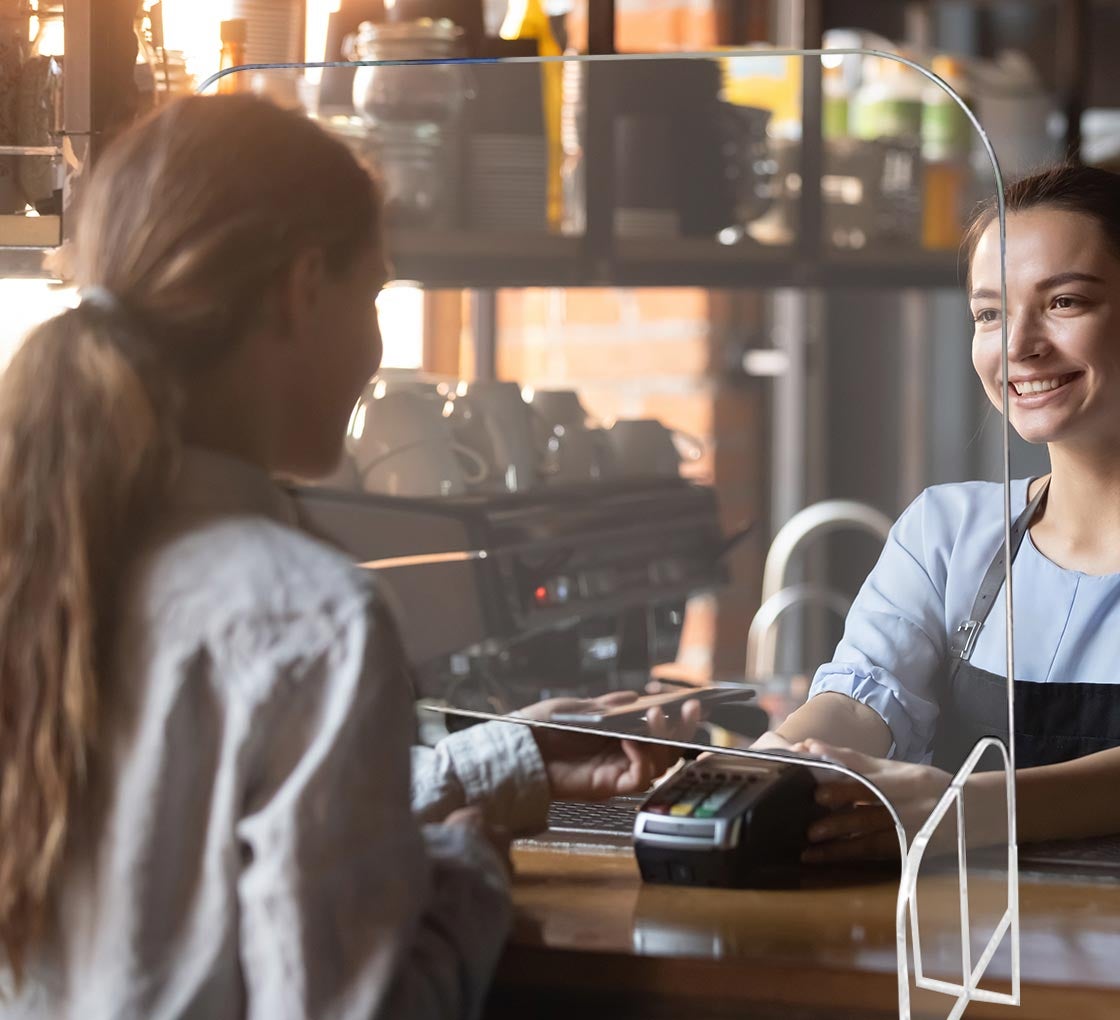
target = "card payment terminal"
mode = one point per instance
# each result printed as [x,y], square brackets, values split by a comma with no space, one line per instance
[738,823]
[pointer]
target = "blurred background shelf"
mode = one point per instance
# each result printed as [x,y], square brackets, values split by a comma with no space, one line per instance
[479,260]
[694,262]
[468,259]
[884,268]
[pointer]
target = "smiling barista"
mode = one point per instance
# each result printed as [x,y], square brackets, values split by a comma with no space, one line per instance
[918,676]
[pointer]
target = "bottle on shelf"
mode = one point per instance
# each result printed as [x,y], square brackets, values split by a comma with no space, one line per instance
[13,52]
[234,35]
[526,19]
[38,106]
[50,30]
[888,102]
[835,99]
[946,151]
[147,60]
[886,113]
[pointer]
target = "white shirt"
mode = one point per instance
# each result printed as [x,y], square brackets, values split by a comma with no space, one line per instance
[248,846]
[896,637]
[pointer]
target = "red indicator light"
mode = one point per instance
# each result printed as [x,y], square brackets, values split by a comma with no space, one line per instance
[541,594]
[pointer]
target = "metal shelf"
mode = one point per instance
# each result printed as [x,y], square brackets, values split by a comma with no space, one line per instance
[462,259]
[478,260]
[901,267]
[30,150]
[24,263]
[707,263]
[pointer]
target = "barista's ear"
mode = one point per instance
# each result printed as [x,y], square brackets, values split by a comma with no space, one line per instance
[298,295]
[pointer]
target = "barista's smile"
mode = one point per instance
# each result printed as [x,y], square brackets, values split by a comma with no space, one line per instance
[1038,390]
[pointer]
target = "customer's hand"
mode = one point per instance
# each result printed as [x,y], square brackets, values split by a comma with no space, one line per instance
[768,741]
[858,826]
[474,821]
[583,766]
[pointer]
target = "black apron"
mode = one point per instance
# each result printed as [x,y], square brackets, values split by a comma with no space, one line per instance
[1053,721]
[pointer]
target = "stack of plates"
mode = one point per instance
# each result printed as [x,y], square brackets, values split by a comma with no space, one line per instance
[507,186]
[277,29]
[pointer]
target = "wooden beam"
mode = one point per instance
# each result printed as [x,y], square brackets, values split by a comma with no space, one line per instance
[114,98]
[739,22]
[1073,63]
[600,27]
[443,328]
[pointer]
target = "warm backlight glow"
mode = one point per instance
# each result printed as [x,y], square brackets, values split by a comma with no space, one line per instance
[194,26]
[318,15]
[400,313]
[26,303]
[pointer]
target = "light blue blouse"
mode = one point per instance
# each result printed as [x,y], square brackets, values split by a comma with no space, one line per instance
[896,637]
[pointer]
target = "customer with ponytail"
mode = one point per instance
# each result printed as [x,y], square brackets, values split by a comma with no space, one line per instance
[205,716]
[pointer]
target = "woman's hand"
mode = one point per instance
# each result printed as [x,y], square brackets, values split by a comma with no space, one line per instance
[858,827]
[582,766]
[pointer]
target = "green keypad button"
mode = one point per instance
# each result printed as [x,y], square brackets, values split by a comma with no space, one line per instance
[716,800]
[685,806]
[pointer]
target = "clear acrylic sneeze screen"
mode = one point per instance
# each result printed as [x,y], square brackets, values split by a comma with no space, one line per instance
[508,201]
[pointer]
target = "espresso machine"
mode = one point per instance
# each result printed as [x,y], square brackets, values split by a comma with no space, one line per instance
[505,599]
[526,549]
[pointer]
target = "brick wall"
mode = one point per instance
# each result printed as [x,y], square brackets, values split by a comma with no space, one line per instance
[654,26]
[631,353]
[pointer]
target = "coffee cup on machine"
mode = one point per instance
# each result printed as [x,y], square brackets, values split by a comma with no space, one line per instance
[576,456]
[426,384]
[501,422]
[401,445]
[557,407]
[644,447]
[574,448]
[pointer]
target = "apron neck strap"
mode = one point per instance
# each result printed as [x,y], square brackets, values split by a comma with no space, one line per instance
[964,639]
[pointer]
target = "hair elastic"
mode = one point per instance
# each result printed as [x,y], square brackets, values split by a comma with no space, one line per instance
[103,305]
[102,300]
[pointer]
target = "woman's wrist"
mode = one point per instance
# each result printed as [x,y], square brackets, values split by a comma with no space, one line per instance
[986,808]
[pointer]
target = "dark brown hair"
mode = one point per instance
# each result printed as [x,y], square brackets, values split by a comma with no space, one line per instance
[1087,190]
[185,225]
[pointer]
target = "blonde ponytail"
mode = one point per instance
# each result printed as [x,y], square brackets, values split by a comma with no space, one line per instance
[82,450]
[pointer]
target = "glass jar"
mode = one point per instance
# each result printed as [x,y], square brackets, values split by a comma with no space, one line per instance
[50,34]
[145,72]
[13,52]
[40,111]
[234,34]
[413,115]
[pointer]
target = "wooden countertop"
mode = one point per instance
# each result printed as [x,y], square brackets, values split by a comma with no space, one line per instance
[590,939]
